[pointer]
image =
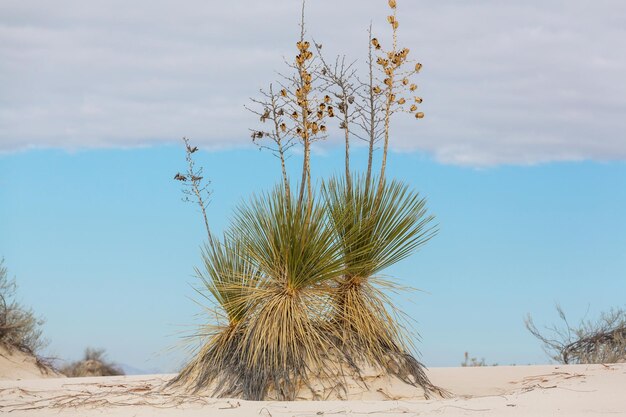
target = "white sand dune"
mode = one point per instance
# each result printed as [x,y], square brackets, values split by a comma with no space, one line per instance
[16,365]
[547,390]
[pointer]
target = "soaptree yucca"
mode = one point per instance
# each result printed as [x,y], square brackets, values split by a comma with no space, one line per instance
[376,227]
[297,276]
[285,341]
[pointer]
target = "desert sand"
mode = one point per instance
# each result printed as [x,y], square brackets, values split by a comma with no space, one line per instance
[545,390]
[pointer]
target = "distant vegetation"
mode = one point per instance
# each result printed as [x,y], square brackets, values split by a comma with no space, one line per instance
[92,364]
[19,327]
[599,341]
[472,362]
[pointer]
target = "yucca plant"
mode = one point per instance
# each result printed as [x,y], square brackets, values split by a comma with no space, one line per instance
[297,278]
[286,341]
[376,226]
[227,279]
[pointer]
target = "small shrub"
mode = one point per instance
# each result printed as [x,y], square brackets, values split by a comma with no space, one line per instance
[472,362]
[19,327]
[92,364]
[600,341]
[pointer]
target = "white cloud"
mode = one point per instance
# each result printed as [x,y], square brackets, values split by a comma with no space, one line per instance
[503,81]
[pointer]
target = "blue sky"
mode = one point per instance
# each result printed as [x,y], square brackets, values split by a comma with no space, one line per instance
[104,248]
[522,156]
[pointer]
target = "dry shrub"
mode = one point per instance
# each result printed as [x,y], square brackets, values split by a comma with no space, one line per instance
[19,327]
[600,341]
[92,364]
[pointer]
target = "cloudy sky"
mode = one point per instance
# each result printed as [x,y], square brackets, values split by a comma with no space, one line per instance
[521,155]
[504,82]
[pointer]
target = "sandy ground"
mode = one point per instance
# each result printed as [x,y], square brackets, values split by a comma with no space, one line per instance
[572,390]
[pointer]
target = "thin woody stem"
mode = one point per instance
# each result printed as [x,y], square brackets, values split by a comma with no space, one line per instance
[281,150]
[372,113]
[195,186]
[388,105]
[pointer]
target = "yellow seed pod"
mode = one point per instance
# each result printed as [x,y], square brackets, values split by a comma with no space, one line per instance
[283,127]
[393,97]
[392,4]
[418,67]
[401,101]
[326,99]
[380,61]
[391,19]
[419,115]
[323,128]
[413,108]
[418,99]
[320,114]
[405,81]
[395,24]
[283,92]
[305,45]
[376,89]
[322,106]
[314,128]
[389,71]
[294,114]
[387,81]
[413,87]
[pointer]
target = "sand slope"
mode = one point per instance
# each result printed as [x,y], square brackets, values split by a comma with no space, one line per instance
[572,390]
[15,364]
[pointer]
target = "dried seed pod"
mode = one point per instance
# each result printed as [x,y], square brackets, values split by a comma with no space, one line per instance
[413,87]
[413,108]
[377,90]
[405,81]
[401,101]
[418,67]
[283,127]
[326,99]
[418,100]
[392,4]
[419,115]
[323,128]
[283,92]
